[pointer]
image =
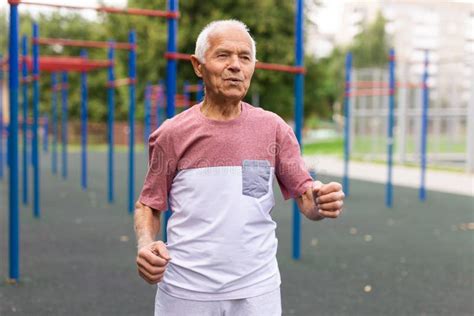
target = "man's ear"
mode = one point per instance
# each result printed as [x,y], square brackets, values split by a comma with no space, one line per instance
[196,65]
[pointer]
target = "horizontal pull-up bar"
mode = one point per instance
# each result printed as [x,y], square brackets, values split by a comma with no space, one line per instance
[370,93]
[82,43]
[129,11]
[383,84]
[61,63]
[258,65]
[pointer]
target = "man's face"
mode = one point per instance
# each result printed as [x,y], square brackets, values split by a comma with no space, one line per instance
[229,65]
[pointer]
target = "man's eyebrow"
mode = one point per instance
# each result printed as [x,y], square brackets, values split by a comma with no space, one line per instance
[222,50]
[225,50]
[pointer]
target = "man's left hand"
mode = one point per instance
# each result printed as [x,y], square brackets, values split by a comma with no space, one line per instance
[328,199]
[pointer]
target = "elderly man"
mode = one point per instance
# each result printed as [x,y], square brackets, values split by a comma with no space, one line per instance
[215,164]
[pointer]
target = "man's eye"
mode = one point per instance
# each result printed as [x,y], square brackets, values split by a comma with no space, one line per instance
[246,58]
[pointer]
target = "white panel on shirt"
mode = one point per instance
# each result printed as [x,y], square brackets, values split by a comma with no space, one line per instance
[222,242]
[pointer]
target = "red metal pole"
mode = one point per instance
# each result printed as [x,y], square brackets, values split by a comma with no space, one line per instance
[127,11]
[81,43]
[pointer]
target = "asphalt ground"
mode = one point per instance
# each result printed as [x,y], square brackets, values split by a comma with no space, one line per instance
[78,259]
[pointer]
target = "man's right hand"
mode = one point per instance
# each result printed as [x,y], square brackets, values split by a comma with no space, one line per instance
[152,260]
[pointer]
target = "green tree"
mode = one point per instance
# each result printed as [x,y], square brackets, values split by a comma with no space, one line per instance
[370,47]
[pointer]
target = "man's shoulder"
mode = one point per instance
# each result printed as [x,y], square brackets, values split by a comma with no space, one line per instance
[173,125]
[262,115]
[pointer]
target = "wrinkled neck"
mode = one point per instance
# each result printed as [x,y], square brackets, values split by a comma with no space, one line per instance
[222,111]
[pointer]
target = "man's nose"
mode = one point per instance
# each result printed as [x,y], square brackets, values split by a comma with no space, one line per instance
[234,64]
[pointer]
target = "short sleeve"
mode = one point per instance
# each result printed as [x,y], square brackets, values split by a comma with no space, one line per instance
[292,175]
[162,165]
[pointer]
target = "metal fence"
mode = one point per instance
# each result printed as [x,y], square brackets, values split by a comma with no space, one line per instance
[450,121]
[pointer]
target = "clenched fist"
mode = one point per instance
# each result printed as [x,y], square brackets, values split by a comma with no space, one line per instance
[152,260]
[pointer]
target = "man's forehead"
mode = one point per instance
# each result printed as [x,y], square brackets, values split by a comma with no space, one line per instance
[230,36]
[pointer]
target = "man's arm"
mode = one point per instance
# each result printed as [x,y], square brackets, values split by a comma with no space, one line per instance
[152,256]
[147,224]
[321,201]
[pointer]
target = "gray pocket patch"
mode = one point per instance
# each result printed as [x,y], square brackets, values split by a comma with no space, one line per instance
[255,177]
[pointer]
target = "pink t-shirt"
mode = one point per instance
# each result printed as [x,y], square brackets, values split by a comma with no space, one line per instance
[217,177]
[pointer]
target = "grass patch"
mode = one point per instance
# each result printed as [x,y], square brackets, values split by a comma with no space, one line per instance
[325,147]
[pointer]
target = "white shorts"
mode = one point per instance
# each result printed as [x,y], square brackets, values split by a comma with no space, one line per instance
[268,304]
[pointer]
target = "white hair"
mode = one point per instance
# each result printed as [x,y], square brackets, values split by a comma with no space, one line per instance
[202,42]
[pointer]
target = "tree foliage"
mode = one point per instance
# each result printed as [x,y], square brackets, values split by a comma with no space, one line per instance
[370,47]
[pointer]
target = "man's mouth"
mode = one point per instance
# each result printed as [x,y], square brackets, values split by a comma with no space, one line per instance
[234,80]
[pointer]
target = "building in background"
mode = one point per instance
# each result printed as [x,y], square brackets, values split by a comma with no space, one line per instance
[444,30]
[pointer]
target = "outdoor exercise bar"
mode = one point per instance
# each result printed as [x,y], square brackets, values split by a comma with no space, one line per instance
[132,59]
[54,114]
[348,93]
[147,128]
[110,121]
[24,86]
[347,115]
[112,83]
[390,141]
[64,127]
[299,94]
[126,11]
[13,90]
[377,88]
[424,129]
[84,124]
[35,153]
[13,82]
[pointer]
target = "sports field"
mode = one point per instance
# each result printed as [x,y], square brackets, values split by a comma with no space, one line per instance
[78,259]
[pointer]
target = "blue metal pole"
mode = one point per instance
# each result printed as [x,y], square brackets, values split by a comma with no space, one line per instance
[35,149]
[390,140]
[131,115]
[64,115]
[45,133]
[111,117]
[171,73]
[200,93]
[299,95]
[14,223]
[54,110]
[1,119]
[84,125]
[160,102]
[146,132]
[347,122]
[424,129]
[24,89]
